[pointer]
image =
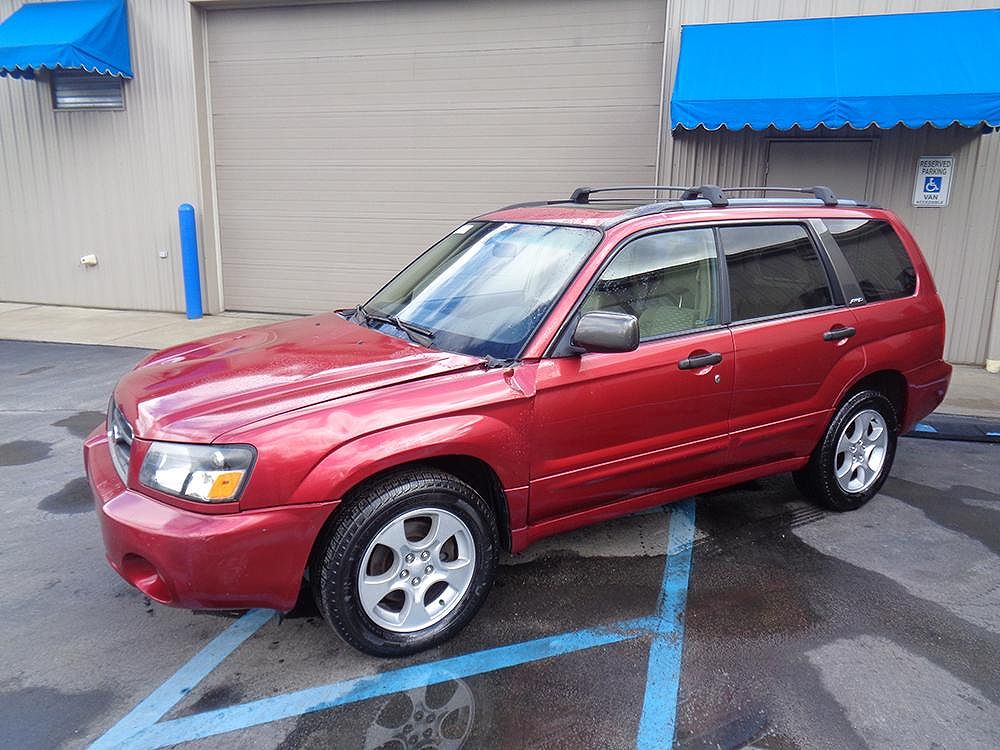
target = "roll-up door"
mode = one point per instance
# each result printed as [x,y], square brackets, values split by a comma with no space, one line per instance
[350,137]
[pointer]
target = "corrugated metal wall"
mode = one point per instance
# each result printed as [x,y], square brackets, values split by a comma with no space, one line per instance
[108,183]
[960,241]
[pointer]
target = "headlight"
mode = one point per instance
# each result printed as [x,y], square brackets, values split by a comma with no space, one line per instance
[205,473]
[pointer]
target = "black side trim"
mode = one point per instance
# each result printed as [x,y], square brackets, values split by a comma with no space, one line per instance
[843,275]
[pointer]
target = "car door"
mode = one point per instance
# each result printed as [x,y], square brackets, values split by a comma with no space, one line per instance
[794,341]
[612,426]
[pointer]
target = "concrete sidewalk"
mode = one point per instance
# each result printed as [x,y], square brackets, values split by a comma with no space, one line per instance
[145,330]
[974,392]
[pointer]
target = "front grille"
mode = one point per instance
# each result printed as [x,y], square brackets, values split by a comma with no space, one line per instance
[119,440]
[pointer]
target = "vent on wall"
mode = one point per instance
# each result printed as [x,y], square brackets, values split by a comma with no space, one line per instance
[78,89]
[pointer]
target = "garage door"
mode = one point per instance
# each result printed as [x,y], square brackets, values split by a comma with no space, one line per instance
[349,137]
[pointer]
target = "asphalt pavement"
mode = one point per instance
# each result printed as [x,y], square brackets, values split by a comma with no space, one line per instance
[799,629]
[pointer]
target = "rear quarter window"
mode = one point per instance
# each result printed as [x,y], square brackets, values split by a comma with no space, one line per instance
[876,256]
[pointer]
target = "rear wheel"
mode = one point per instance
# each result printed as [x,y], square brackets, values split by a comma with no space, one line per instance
[855,456]
[408,564]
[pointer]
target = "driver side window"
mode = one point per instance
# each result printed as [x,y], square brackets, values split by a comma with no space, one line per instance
[666,280]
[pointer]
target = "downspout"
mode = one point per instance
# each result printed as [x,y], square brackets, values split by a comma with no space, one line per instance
[662,105]
[993,336]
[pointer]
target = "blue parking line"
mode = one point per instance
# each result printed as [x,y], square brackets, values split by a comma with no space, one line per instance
[924,427]
[142,727]
[241,716]
[993,434]
[167,695]
[657,723]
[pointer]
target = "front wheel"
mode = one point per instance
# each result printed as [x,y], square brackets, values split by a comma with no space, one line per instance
[855,456]
[411,559]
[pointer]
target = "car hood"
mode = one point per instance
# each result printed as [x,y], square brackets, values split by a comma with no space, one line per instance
[200,390]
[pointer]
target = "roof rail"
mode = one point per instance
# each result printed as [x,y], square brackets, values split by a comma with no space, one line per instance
[822,192]
[711,193]
[582,194]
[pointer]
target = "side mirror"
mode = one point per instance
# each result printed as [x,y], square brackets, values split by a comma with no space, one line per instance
[602,331]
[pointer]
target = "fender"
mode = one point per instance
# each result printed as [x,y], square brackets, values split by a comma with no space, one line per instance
[494,442]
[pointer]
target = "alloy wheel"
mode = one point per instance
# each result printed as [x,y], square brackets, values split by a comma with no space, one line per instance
[416,570]
[861,451]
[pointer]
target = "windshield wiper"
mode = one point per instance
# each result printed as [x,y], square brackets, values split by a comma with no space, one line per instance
[410,329]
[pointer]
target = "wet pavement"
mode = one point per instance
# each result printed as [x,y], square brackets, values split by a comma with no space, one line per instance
[802,629]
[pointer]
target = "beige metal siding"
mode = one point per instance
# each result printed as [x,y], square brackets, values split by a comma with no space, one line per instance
[960,241]
[350,137]
[74,183]
[848,162]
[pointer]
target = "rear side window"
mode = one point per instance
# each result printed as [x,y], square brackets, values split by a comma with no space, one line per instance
[774,269]
[877,257]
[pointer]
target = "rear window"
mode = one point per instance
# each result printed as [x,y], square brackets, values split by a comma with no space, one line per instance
[877,257]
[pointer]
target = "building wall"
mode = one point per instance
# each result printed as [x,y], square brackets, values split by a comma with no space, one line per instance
[961,242]
[108,183]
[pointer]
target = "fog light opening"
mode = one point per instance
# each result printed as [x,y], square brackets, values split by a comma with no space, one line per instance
[142,574]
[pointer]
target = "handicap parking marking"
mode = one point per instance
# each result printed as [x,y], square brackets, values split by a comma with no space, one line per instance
[663,675]
[184,680]
[310,700]
[142,727]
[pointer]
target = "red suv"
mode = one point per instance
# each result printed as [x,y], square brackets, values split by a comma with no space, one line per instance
[542,367]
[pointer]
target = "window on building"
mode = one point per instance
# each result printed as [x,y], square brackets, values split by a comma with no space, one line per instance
[773,269]
[78,89]
[877,257]
[667,280]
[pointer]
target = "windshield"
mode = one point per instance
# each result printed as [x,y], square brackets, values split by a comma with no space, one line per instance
[483,289]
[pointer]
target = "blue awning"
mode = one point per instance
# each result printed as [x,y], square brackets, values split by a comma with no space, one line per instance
[78,34]
[910,69]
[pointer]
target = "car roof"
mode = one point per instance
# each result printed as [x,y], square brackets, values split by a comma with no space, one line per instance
[581,210]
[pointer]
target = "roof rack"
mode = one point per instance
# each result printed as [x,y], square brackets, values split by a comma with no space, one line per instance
[822,192]
[694,197]
[712,193]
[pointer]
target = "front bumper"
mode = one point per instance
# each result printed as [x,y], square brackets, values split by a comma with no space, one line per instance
[187,559]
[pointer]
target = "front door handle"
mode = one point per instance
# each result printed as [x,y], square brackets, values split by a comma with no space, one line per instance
[698,361]
[839,332]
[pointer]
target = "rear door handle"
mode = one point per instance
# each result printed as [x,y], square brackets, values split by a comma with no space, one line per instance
[699,360]
[839,332]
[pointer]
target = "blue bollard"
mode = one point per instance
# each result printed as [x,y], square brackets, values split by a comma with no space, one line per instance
[189,261]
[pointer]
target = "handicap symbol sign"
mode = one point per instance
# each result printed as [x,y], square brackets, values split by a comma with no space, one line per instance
[932,184]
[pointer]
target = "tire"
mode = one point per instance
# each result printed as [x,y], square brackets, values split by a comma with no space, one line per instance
[855,456]
[803,479]
[408,562]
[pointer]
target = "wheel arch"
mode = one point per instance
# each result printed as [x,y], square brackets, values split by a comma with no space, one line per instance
[472,470]
[890,383]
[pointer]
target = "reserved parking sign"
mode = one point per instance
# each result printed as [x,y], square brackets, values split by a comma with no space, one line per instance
[933,182]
